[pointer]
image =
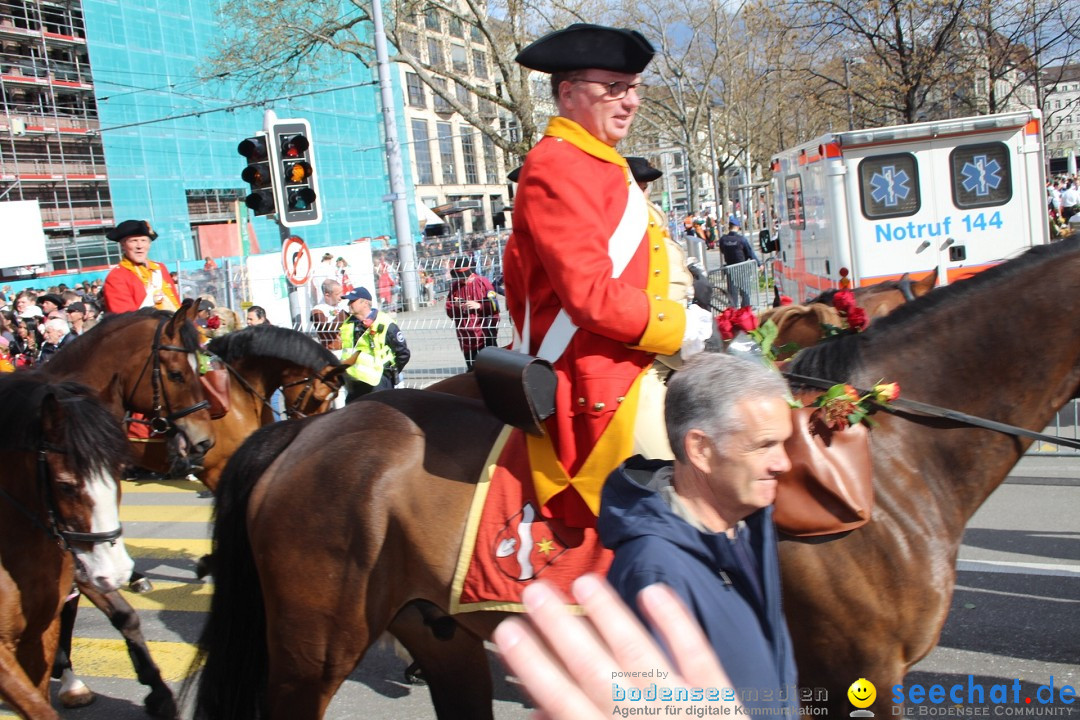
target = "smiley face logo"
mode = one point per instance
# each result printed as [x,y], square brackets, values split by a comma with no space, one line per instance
[862,693]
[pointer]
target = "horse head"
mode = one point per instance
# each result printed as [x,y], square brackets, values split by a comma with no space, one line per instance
[881,299]
[315,392]
[81,456]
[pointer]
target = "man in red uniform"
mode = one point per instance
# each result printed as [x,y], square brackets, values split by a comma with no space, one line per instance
[586,270]
[138,281]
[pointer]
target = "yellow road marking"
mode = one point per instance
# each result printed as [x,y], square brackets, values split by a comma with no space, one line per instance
[162,486]
[165,513]
[185,597]
[167,548]
[97,657]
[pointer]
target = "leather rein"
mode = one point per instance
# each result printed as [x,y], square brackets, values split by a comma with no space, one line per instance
[160,423]
[293,411]
[935,411]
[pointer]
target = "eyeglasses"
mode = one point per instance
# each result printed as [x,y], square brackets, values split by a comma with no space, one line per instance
[616,90]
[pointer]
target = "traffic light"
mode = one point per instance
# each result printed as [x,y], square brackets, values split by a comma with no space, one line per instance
[298,194]
[258,174]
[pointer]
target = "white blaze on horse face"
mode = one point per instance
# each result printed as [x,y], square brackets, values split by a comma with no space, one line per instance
[107,565]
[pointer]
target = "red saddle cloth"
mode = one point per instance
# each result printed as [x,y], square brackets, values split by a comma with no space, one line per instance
[509,542]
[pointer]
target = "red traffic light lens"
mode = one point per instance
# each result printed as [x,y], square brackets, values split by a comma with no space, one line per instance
[294,146]
[254,149]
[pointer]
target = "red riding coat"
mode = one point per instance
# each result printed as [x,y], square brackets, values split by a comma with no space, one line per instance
[573,194]
[125,291]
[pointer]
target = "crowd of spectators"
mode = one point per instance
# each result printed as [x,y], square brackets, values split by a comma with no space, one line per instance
[35,324]
[1063,205]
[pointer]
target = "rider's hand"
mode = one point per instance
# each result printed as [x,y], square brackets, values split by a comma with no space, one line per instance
[699,328]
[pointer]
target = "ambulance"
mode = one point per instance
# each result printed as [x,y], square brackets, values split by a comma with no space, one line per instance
[861,207]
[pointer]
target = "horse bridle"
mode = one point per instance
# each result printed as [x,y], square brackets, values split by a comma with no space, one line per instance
[293,411]
[160,423]
[935,411]
[55,526]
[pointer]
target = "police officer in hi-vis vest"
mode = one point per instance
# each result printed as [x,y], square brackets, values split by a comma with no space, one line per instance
[377,344]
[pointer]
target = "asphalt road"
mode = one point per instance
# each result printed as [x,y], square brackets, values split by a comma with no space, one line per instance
[1014,615]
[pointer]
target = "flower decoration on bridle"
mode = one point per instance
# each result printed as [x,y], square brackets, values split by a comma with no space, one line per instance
[731,320]
[853,316]
[842,405]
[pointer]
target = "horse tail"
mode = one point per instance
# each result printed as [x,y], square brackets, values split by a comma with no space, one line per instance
[232,651]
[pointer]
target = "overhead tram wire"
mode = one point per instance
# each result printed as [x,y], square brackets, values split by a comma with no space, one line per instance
[235,106]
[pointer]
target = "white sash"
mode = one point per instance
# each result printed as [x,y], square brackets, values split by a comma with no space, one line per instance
[622,245]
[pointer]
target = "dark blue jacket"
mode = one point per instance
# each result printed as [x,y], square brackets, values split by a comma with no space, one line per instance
[652,544]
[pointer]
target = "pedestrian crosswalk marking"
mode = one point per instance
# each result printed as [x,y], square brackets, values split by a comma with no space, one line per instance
[162,486]
[186,597]
[108,658]
[167,548]
[165,513]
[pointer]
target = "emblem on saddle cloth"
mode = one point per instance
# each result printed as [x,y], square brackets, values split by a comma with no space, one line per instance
[508,542]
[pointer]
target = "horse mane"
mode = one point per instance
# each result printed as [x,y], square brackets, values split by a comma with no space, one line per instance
[274,342]
[189,336]
[88,432]
[841,357]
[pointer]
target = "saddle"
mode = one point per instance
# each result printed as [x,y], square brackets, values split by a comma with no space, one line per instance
[518,389]
[829,488]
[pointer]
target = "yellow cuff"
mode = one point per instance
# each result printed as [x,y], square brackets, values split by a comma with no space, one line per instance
[667,325]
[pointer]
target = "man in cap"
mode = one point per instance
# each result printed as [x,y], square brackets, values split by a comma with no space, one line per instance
[375,346]
[138,282]
[472,305]
[737,249]
[586,271]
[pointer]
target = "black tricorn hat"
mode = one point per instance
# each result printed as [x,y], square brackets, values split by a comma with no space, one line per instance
[642,170]
[582,46]
[514,174]
[129,228]
[51,297]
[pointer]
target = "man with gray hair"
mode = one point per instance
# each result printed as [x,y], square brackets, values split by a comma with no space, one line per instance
[57,334]
[703,524]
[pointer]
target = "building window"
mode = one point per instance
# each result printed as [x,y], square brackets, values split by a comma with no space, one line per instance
[441,104]
[431,20]
[491,170]
[422,152]
[485,107]
[479,61]
[463,95]
[446,153]
[475,35]
[415,89]
[456,28]
[435,54]
[458,59]
[468,154]
[410,44]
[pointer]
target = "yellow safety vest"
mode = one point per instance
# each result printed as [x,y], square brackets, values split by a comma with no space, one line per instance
[374,352]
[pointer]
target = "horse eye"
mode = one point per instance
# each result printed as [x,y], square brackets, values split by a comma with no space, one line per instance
[176,376]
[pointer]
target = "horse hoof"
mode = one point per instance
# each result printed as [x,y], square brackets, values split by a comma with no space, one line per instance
[77,697]
[161,704]
[414,675]
[140,586]
[203,567]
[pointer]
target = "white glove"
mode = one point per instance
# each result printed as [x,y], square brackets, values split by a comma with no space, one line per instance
[699,328]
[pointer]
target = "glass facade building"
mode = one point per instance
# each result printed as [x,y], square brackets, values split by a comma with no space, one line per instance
[129,130]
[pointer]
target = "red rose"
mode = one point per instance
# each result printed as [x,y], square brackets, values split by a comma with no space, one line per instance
[857,318]
[725,324]
[213,323]
[745,319]
[844,301]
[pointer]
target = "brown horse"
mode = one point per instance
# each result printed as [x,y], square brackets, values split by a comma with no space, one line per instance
[328,544]
[260,360]
[61,458]
[802,325]
[145,362]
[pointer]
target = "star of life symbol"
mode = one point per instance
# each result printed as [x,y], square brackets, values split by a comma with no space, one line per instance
[981,176]
[889,186]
